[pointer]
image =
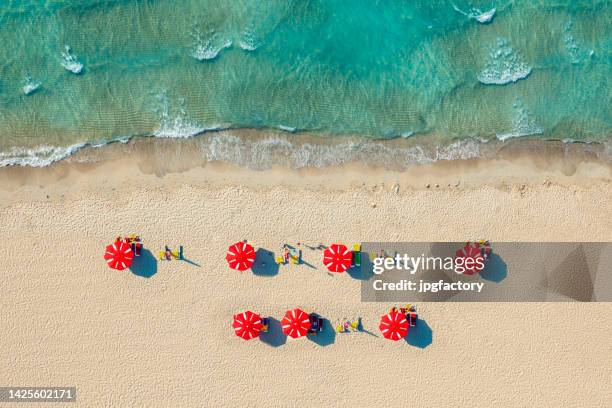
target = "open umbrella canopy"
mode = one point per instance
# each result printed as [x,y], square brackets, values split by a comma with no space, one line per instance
[471,258]
[240,256]
[247,325]
[337,258]
[394,326]
[119,255]
[295,323]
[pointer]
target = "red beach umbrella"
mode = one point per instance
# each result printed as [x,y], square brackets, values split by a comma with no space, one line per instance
[473,261]
[119,255]
[337,258]
[295,323]
[247,325]
[240,256]
[394,326]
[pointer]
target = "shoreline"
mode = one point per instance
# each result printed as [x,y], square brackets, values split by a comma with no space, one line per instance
[397,152]
[517,166]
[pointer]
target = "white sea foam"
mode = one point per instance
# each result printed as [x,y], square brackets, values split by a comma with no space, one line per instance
[208,51]
[173,123]
[70,61]
[39,156]
[483,17]
[486,17]
[249,41]
[503,66]
[30,86]
[523,123]
[178,128]
[459,150]
[208,45]
[289,129]
[278,150]
[263,154]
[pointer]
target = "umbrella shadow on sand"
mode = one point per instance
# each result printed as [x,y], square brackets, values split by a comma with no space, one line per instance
[265,264]
[326,337]
[275,336]
[420,335]
[496,269]
[144,265]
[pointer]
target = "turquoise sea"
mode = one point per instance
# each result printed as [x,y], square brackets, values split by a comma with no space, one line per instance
[75,72]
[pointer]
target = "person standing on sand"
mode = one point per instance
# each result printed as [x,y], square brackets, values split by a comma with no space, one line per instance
[299,252]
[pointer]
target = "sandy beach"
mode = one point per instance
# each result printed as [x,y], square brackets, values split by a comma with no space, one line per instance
[166,339]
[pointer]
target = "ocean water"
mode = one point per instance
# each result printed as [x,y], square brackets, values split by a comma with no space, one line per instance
[87,72]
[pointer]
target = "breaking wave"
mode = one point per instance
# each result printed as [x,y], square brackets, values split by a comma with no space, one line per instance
[504,65]
[173,122]
[286,128]
[523,123]
[208,45]
[483,17]
[30,86]
[249,41]
[40,156]
[70,61]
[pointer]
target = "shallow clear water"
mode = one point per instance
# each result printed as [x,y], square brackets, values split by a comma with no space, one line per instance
[75,71]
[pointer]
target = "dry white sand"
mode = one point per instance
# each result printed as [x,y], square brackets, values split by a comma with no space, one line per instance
[126,340]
